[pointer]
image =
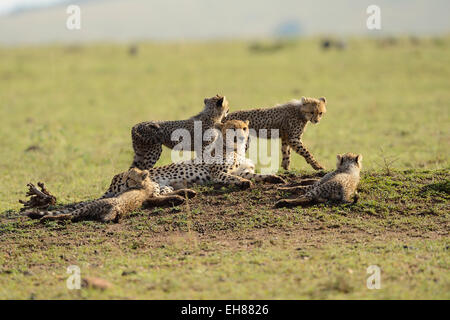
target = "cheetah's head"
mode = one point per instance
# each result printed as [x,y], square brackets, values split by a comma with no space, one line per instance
[137,178]
[349,160]
[216,107]
[314,109]
[235,134]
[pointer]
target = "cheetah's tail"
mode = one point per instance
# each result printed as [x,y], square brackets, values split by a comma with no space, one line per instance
[38,214]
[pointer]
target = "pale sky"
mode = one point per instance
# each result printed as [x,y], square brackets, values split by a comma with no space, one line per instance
[8,6]
[135,20]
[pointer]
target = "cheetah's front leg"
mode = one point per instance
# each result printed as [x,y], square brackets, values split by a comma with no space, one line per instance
[186,193]
[269,178]
[227,178]
[298,146]
[169,191]
[162,201]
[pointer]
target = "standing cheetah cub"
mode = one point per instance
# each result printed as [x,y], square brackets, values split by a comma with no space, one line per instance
[149,137]
[290,119]
[339,185]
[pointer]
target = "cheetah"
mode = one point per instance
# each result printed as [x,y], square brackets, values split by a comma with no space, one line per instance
[161,195]
[149,137]
[339,185]
[245,166]
[290,119]
[234,135]
[128,194]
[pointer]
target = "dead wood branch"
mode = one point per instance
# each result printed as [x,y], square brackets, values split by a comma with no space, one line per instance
[39,199]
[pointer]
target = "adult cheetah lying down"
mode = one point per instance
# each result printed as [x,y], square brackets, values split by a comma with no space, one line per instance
[290,119]
[225,169]
[339,185]
[149,137]
[128,194]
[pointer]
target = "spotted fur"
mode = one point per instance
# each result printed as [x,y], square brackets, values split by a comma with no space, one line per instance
[224,170]
[339,185]
[128,191]
[140,188]
[290,119]
[149,137]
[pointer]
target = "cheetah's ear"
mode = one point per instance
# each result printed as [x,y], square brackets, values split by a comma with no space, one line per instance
[339,159]
[323,99]
[359,158]
[220,102]
[247,122]
[303,100]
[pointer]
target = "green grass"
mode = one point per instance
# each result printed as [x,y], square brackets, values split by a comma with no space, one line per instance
[66,118]
[281,271]
[236,245]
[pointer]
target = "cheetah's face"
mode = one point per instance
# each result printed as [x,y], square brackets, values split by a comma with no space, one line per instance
[314,109]
[348,160]
[217,107]
[236,134]
[136,177]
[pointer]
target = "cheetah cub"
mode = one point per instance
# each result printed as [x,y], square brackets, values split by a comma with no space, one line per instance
[339,185]
[290,119]
[136,189]
[149,137]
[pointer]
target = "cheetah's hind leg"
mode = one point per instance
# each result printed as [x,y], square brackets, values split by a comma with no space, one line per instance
[146,145]
[64,216]
[293,202]
[308,182]
[286,153]
[34,213]
[300,186]
[295,189]
[146,159]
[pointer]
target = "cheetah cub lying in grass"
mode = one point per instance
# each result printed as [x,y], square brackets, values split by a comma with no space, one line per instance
[149,137]
[339,185]
[128,194]
[290,119]
[224,169]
